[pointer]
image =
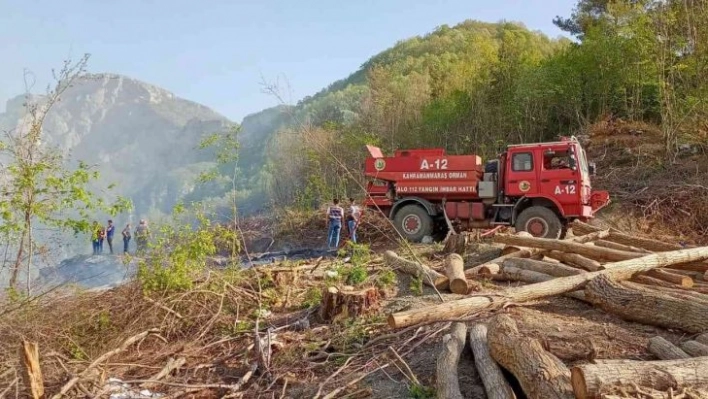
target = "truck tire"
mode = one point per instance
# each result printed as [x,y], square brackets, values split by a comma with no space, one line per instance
[539,221]
[413,222]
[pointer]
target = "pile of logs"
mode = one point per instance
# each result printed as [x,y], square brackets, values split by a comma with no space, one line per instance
[641,280]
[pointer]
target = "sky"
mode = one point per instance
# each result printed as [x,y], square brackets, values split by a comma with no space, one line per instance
[219,52]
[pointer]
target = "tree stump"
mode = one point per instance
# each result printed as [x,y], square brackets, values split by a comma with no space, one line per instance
[456,244]
[342,304]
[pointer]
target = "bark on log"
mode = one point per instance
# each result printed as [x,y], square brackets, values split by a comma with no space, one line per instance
[588,264]
[482,256]
[589,379]
[527,276]
[496,263]
[692,266]
[31,370]
[585,238]
[703,338]
[338,304]
[429,276]
[665,350]
[620,247]
[540,374]
[683,281]
[552,269]
[447,381]
[456,274]
[592,252]
[638,283]
[625,239]
[656,309]
[495,384]
[619,271]
[696,276]
[491,268]
[695,348]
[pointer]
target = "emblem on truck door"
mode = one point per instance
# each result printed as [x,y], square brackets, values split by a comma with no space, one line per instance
[379,164]
[524,186]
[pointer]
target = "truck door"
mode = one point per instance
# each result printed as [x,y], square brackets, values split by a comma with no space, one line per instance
[521,175]
[559,180]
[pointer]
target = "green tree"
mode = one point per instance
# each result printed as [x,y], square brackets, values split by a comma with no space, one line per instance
[38,187]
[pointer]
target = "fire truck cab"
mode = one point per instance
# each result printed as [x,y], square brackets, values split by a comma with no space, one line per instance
[538,188]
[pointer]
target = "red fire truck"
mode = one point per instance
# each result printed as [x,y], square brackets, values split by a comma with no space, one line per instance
[539,188]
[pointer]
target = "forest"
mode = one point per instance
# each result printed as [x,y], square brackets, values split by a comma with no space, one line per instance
[477,86]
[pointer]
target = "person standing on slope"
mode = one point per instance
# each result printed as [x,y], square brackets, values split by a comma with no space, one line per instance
[126,237]
[334,218]
[353,217]
[101,238]
[141,235]
[95,237]
[110,230]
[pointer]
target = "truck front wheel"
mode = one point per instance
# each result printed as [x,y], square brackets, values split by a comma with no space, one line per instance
[539,221]
[413,222]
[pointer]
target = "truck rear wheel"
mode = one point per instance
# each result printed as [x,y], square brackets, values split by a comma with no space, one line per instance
[539,221]
[413,222]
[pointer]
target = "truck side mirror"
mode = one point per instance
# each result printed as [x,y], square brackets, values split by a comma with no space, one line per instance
[592,168]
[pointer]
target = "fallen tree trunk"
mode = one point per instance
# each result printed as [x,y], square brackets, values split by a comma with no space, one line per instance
[592,252]
[695,348]
[447,381]
[527,276]
[495,384]
[683,281]
[585,238]
[619,271]
[625,239]
[456,274]
[483,255]
[665,350]
[429,276]
[590,379]
[637,283]
[540,374]
[656,309]
[703,338]
[552,269]
[588,264]
[620,247]
[494,264]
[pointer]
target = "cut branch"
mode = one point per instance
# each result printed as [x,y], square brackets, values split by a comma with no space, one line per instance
[447,382]
[495,384]
[665,350]
[429,276]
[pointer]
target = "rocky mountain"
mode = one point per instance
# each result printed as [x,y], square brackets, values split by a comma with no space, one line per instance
[140,137]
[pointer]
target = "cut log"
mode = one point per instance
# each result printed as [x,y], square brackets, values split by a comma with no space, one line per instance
[620,247]
[696,276]
[590,379]
[665,350]
[695,348]
[595,235]
[588,264]
[494,264]
[495,384]
[429,276]
[705,276]
[340,304]
[31,371]
[447,382]
[655,309]
[703,338]
[655,285]
[491,268]
[700,267]
[456,274]
[592,252]
[540,374]
[552,269]
[626,239]
[483,255]
[528,276]
[619,271]
[456,244]
[683,281]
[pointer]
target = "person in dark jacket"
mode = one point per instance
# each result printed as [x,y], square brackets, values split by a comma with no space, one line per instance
[142,233]
[110,230]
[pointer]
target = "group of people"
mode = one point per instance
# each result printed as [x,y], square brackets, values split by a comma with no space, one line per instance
[336,215]
[101,233]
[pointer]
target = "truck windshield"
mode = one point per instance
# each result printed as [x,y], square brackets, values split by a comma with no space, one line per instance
[583,164]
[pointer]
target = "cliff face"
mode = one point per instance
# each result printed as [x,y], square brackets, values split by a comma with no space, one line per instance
[141,137]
